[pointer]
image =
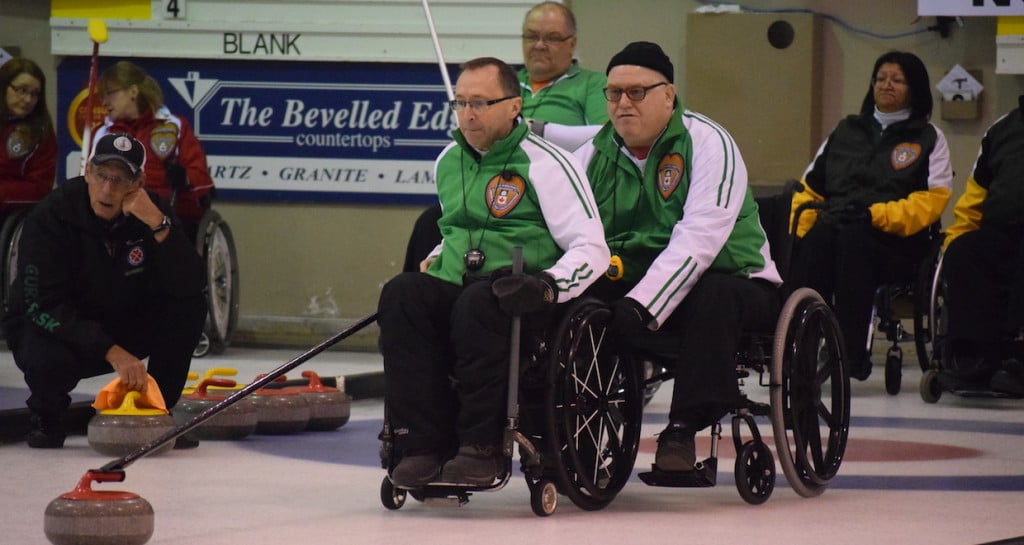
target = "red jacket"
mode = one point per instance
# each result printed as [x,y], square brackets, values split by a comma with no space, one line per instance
[28,168]
[169,138]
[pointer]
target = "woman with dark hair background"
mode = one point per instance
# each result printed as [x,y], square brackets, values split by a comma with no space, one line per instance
[884,176]
[28,156]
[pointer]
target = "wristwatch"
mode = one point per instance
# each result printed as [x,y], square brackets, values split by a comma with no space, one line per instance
[165,224]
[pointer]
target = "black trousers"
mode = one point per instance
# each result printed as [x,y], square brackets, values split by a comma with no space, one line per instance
[717,313]
[846,264]
[446,355]
[166,333]
[985,285]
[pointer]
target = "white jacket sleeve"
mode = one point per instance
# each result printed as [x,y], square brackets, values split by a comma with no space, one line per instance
[718,186]
[570,211]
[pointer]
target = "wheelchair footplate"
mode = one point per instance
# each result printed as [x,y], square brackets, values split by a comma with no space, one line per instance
[704,475]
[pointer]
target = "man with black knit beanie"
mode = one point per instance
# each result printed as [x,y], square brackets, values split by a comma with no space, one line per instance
[688,252]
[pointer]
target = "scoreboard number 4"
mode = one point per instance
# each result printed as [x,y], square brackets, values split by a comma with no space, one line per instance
[168,9]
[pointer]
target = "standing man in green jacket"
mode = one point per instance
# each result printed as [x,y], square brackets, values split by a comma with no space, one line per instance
[688,252]
[445,332]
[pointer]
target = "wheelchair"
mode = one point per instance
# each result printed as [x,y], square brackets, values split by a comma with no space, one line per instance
[801,363]
[911,300]
[942,361]
[575,416]
[896,302]
[216,245]
[10,235]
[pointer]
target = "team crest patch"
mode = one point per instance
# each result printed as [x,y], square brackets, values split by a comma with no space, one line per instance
[504,192]
[164,139]
[670,172]
[136,256]
[19,143]
[904,155]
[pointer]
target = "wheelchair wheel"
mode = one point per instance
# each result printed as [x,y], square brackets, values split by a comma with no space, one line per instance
[543,497]
[810,393]
[217,247]
[10,235]
[928,302]
[391,496]
[931,389]
[755,472]
[893,371]
[593,409]
[202,347]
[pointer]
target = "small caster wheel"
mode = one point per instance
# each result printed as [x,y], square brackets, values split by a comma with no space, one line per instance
[202,347]
[543,498]
[893,374]
[931,389]
[755,472]
[391,496]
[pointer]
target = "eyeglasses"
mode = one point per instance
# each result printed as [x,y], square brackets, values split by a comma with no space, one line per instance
[119,182]
[550,39]
[477,105]
[25,91]
[635,94]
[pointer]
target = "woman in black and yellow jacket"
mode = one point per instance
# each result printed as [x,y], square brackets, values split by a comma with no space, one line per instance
[983,262]
[882,178]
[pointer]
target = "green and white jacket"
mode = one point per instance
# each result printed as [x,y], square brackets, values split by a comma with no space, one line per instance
[684,210]
[524,191]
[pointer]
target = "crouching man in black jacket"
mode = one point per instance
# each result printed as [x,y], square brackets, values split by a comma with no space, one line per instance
[104,280]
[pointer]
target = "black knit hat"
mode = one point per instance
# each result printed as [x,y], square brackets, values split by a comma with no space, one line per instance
[646,54]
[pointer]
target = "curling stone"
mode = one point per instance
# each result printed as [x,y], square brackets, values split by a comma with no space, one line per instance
[120,431]
[235,422]
[329,408]
[280,410]
[85,516]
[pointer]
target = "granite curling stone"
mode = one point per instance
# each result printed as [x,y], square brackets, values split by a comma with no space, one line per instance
[85,516]
[237,421]
[280,411]
[120,431]
[329,408]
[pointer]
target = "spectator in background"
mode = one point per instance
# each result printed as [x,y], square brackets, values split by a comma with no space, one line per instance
[883,177]
[175,162]
[28,156]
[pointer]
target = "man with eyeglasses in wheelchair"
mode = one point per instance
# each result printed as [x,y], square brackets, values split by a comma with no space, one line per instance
[689,257]
[445,330]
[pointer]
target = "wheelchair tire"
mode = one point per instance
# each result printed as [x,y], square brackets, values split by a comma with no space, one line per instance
[755,472]
[202,347]
[593,409]
[216,245]
[926,319]
[931,389]
[893,374]
[10,235]
[391,496]
[810,429]
[543,497]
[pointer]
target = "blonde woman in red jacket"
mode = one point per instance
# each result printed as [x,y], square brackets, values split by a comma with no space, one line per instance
[175,162]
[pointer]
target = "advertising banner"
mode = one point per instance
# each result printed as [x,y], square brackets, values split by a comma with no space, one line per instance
[292,131]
